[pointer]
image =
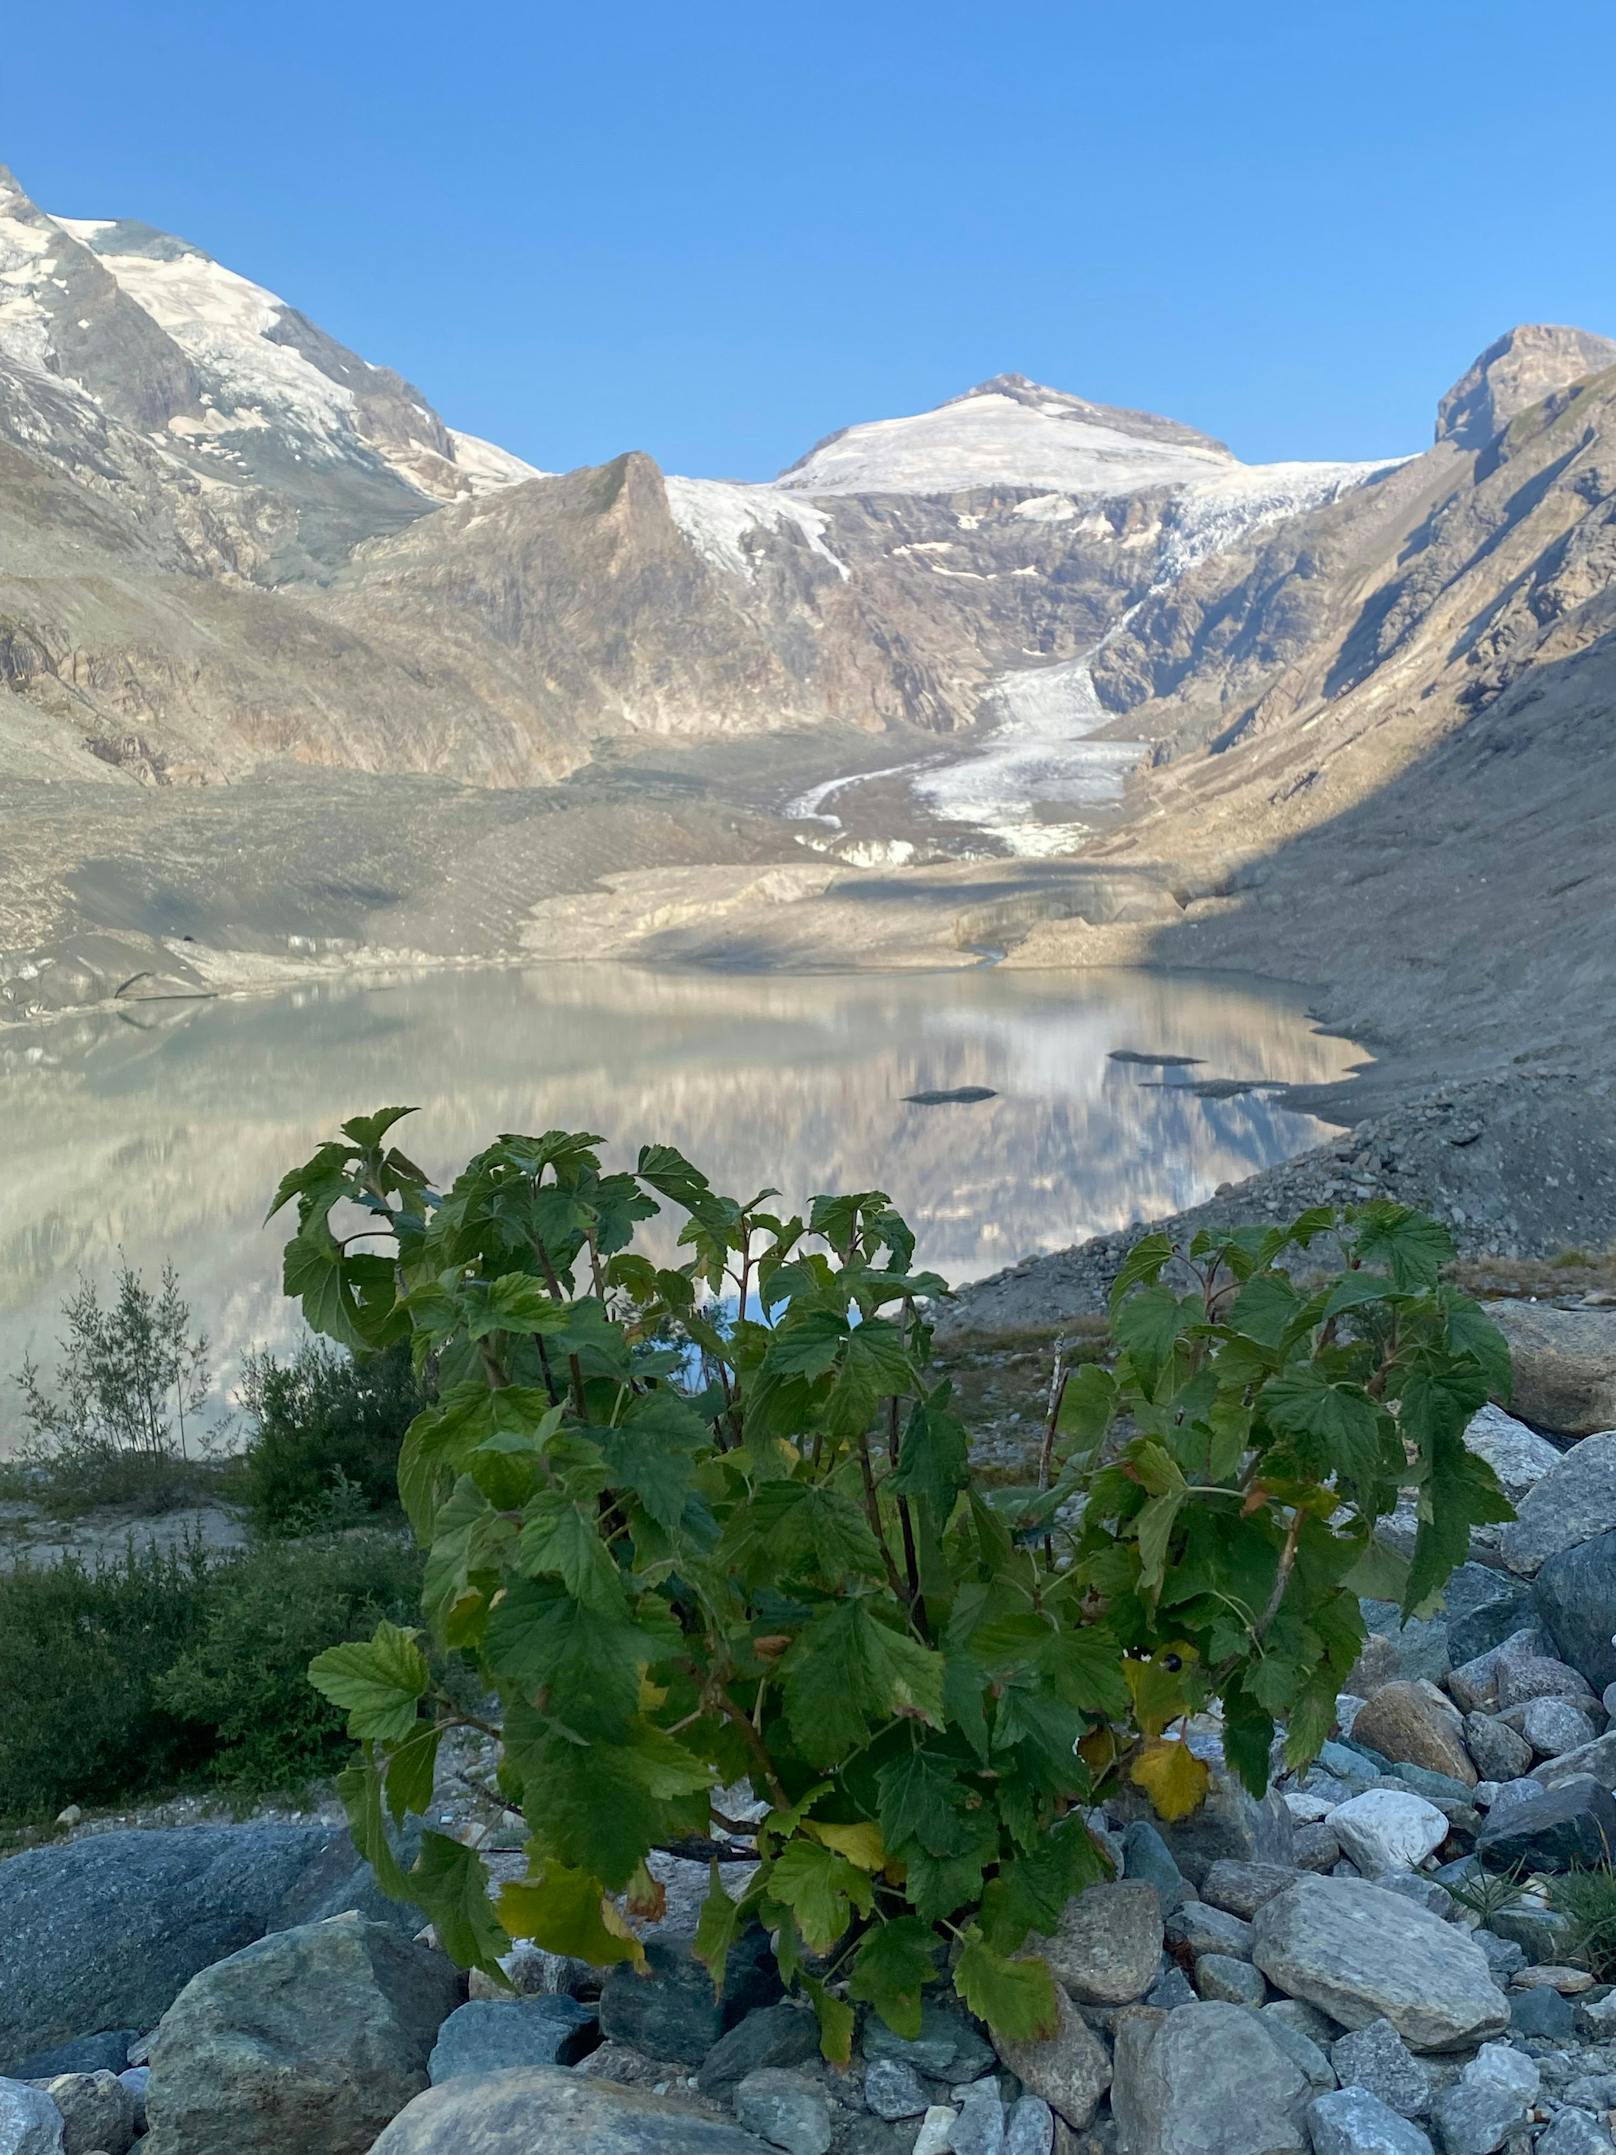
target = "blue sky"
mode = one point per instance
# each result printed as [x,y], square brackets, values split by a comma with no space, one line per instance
[718,231]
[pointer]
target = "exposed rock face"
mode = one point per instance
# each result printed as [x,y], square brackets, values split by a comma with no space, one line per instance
[1526,365]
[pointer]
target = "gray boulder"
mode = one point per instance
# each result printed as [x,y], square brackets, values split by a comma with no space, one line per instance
[1240,1889]
[1069,2070]
[1551,1726]
[1597,1760]
[1564,1363]
[1146,1855]
[1500,1754]
[1360,1953]
[320,2035]
[894,2090]
[1573,1823]
[1212,2081]
[1568,1507]
[1352,2121]
[786,2109]
[108,2053]
[670,2012]
[1576,1594]
[947,2047]
[1107,1946]
[106,1932]
[490,2035]
[1481,1607]
[1490,2101]
[30,2123]
[781,2034]
[1235,1982]
[98,2112]
[1376,2057]
[547,2110]
[1575,2133]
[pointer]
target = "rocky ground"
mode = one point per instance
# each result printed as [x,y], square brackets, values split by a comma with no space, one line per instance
[1380,1958]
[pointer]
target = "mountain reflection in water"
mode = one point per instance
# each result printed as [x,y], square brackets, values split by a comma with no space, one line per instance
[163,1129]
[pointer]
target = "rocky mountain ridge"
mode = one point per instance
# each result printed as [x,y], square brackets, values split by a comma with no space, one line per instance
[175,440]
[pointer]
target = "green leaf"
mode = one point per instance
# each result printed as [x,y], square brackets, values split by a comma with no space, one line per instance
[367,1131]
[822,1890]
[1015,1997]
[379,1682]
[933,1457]
[585,1662]
[895,1962]
[1472,1332]
[411,1770]
[359,1788]
[922,1806]
[1266,1308]
[1143,1266]
[1334,1428]
[1405,1243]
[847,1672]
[791,1528]
[835,2017]
[717,1927]
[601,1806]
[448,1883]
[560,1538]
[346,1298]
[1088,1406]
[1147,1327]
[1353,1289]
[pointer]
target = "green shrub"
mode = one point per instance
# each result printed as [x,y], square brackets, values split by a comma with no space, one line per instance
[244,1678]
[322,1451]
[162,1670]
[81,1655]
[790,1574]
[110,1428]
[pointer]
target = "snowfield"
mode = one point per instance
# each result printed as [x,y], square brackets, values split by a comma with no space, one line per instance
[987,438]
[718,517]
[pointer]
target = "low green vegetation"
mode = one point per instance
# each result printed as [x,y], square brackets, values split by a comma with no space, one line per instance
[693,1522]
[1587,1896]
[173,1670]
[321,1449]
[116,1422]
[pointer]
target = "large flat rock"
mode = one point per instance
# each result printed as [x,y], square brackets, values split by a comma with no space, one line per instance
[1361,1953]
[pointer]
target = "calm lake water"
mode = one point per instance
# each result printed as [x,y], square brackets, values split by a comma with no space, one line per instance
[162,1130]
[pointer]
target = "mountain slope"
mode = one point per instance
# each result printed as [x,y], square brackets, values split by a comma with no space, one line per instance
[226,538]
[1385,733]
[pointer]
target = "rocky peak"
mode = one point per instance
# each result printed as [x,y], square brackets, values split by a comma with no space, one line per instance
[1527,364]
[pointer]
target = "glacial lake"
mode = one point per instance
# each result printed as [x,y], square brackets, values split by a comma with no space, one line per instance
[160,1130]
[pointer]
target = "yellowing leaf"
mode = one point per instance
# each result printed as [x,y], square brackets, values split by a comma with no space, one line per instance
[1172,1777]
[652,1695]
[861,1843]
[566,1911]
[1098,1750]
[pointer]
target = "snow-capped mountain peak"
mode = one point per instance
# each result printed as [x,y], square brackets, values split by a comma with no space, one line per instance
[1010,432]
